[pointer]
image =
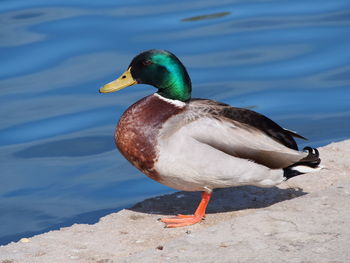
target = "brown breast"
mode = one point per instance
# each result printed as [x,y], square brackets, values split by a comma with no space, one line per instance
[137,130]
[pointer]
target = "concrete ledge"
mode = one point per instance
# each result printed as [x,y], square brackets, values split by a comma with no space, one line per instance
[305,219]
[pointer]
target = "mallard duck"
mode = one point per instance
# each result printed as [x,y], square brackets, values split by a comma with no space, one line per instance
[200,144]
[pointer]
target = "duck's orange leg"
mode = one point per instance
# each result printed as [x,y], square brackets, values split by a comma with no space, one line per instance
[186,220]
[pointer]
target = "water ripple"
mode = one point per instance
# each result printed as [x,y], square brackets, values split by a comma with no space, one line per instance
[75,147]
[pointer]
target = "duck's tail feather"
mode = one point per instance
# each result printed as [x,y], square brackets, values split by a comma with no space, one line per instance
[296,135]
[309,164]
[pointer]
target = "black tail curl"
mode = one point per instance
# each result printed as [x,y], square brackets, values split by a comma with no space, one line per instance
[312,160]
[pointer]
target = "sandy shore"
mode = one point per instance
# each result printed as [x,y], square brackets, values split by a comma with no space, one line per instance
[305,219]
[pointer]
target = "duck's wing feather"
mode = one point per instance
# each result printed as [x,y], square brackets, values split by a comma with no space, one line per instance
[248,117]
[241,133]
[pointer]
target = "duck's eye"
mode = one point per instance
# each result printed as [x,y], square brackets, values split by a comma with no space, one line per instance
[146,62]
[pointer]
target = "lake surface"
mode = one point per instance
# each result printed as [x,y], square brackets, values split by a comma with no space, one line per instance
[289,60]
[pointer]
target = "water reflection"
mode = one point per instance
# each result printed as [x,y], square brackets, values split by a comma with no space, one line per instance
[60,75]
[16,24]
[248,56]
[69,148]
[339,75]
[204,17]
[241,23]
[27,15]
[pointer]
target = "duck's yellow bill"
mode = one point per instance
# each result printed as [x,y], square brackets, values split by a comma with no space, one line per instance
[125,80]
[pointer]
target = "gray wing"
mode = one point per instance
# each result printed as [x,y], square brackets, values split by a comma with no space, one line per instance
[242,133]
[250,118]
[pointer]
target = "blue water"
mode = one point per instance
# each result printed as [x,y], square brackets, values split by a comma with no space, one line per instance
[288,59]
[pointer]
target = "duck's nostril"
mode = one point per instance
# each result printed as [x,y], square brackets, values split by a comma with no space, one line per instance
[123,77]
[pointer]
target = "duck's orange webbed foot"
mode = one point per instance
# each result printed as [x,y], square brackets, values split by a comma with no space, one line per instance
[187,220]
[181,220]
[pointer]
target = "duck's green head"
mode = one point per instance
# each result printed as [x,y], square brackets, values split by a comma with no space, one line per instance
[158,68]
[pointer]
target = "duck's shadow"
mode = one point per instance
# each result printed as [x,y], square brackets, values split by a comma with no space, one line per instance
[223,200]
